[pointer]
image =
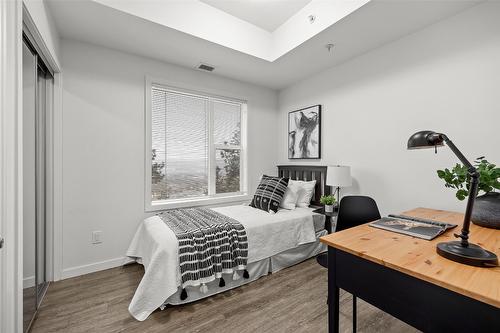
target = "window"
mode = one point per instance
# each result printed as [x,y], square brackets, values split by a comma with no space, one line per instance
[196,146]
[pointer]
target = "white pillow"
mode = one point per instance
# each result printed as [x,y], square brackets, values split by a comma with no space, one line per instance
[305,191]
[290,197]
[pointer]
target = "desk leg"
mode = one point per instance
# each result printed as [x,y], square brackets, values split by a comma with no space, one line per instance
[333,293]
[354,313]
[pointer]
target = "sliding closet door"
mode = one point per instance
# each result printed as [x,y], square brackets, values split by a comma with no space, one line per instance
[29,184]
[37,99]
[44,91]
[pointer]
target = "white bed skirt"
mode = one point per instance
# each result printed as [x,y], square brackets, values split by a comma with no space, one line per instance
[299,254]
[256,270]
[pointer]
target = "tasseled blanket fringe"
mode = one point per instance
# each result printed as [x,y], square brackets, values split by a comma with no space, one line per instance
[184,294]
[222,283]
[236,276]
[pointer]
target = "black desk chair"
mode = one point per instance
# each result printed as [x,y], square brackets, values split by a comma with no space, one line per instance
[355,210]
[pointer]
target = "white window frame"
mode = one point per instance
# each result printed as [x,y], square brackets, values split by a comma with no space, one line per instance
[212,198]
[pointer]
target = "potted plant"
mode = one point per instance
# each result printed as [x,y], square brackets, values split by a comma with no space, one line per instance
[486,210]
[328,201]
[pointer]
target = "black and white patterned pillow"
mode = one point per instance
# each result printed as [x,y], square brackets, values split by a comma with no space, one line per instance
[269,193]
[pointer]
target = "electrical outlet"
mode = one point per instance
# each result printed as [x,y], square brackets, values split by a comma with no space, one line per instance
[96,237]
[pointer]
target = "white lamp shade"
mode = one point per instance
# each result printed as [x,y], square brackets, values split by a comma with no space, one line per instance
[338,176]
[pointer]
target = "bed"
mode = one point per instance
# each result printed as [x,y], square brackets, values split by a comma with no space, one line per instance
[275,241]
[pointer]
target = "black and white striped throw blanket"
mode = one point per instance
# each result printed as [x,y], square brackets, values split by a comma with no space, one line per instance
[210,244]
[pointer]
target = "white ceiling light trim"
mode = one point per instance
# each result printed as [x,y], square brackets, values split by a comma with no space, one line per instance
[204,21]
[201,20]
[267,14]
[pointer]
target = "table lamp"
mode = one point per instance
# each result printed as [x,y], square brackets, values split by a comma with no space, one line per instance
[338,176]
[460,251]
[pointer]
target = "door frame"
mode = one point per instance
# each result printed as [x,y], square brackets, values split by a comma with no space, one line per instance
[11,182]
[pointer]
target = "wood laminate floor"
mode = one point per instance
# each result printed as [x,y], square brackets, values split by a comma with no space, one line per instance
[292,300]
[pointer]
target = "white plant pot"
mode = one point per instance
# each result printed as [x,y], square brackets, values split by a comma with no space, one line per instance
[328,208]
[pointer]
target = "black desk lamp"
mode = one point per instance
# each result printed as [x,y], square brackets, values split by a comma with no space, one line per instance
[461,251]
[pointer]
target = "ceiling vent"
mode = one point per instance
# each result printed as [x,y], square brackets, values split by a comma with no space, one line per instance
[206,67]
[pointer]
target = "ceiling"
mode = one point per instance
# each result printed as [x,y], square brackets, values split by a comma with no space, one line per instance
[369,27]
[266,14]
[197,18]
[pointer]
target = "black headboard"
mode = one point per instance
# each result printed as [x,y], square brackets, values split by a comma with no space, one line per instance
[308,172]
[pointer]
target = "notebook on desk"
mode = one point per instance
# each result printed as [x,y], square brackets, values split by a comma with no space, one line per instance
[412,226]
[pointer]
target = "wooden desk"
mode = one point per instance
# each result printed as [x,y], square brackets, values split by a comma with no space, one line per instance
[405,277]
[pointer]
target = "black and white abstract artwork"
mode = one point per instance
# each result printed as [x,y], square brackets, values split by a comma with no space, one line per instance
[304,133]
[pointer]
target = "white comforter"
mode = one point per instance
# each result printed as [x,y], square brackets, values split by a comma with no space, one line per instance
[156,247]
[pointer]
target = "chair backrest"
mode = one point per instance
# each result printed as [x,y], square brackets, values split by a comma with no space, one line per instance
[355,210]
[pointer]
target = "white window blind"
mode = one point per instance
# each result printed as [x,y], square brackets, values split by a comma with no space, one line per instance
[195,145]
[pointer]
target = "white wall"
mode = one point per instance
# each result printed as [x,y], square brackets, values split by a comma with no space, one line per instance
[103,146]
[445,78]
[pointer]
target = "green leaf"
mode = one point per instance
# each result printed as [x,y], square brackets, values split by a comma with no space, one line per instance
[327,199]
[461,194]
[458,177]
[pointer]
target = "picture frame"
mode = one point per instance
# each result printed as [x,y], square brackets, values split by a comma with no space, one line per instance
[304,133]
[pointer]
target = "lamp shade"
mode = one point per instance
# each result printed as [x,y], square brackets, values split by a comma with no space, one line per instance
[425,139]
[338,176]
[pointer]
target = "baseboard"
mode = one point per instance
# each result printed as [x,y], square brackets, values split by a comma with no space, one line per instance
[94,267]
[29,282]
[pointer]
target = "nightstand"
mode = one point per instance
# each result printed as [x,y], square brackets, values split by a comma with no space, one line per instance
[322,258]
[328,217]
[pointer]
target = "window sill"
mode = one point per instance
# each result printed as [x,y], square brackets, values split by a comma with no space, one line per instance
[197,202]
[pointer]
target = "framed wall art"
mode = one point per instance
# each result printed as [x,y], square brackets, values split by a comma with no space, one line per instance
[304,133]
